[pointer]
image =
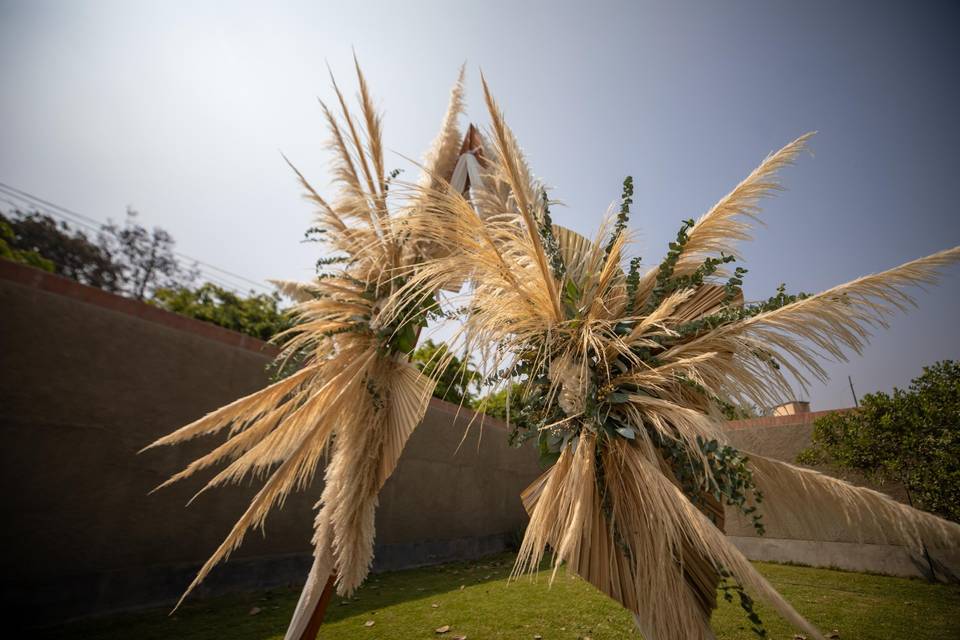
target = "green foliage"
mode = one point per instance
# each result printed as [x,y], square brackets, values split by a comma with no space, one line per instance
[730,314]
[322,263]
[730,480]
[495,403]
[601,413]
[257,315]
[127,259]
[549,241]
[734,285]
[729,586]
[633,283]
[623,216]
[455,379]
[911,436]
[664,285]
[8,250]
[531,414]
[737,412]
[401,335]
[781,299]
[70,252]
[390,178]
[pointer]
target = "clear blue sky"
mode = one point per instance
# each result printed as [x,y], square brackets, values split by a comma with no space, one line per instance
[181,109]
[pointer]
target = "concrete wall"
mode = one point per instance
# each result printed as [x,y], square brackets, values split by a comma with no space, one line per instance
[836,545]
[89,378]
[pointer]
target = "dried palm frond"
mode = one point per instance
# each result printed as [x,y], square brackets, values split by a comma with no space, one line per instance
[362,462]
[797,336]
[728,221]
[439,163]
[624,376]
[442,157]
[296,291]
[808,502]
[636,543]
[524,192]
[355,398]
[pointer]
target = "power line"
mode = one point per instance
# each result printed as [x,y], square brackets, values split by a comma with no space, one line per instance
[230,286]
[15,205]
[86,221]
[80,219]
[23,202]
[24,194]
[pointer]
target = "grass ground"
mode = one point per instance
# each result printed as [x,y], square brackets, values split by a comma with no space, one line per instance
[476,601]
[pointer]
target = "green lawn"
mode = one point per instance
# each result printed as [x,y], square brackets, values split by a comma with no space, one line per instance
[476,600]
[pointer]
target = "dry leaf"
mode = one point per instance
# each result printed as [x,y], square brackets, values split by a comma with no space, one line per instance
[369,623]
[443,629]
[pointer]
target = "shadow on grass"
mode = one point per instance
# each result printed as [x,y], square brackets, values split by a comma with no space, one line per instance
[473,599]
[265,614]
[388,589]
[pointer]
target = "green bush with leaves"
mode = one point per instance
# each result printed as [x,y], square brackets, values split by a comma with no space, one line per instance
[911,436]
[495,403]
[37,239]
[130,260]
[257,315]
[457,377]
[10,251]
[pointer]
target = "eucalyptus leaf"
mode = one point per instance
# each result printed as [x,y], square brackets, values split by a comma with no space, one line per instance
[627,432]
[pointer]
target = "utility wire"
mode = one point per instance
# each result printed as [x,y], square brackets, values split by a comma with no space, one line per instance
[217,280]
[229,286]
[95,225]
[83,220]
[22,202]
[86,221]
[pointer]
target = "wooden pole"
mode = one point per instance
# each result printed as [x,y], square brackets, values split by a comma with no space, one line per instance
[313,627]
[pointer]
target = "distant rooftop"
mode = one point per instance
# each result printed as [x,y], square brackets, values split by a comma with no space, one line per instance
[792,408]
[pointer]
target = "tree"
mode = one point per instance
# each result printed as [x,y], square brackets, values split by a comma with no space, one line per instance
[126,259]
[454,382]
[9,250]
[257,315]
[132,261]
[495,404]
[145,257]
[739,412]
[911,437]
[69,251]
